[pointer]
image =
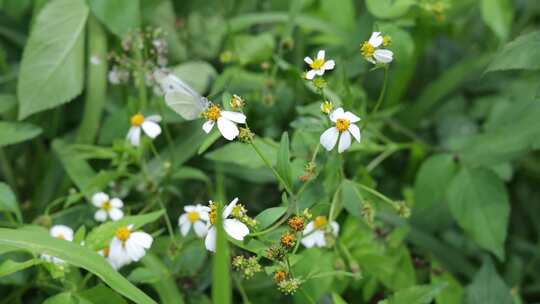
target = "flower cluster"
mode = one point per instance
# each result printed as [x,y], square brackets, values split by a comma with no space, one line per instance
[373,50]
[107,207]
[248,266]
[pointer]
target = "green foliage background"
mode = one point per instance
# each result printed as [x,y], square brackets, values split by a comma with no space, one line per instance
[456,139]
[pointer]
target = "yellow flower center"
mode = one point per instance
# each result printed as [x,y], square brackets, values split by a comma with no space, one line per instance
[106,206]
[387,40]
[342,124]
[212,113]
[137,119]
[193,216]
[367,49]
[61,237]
[320,221]
[317,64]
[123,233]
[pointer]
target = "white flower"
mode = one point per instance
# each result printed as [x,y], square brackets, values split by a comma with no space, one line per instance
[60,232]
[226,121]
[107,207]
[119,260]
[314,233]
[233,227]
[148,124]
[196,216]
[319,65]
[371,51]
[344,128]
[128,246]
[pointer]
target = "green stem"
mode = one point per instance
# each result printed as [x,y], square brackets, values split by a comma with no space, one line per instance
[167,220]
[241,290]
[7,170]
[380,100]
[267,163]
[332,273]
[377,194]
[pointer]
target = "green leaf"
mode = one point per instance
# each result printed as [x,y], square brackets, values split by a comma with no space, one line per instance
[8,201]
[283,160]
[487,287]
[498,16]
[337,299]
[65,298]
[351,199]
[143,275]
[198,74]
[120,16]
[453,293]
[252,49]
[7,102]
[519,54]
[243,155]
[100,236]
[221,272]
[102,294]
[74,254]
[208,141]
[479,203]
[52,67]
[269,216]
[166,287]
[389,9]
[420,294]
[16,132]
[78,170]
[9,266]
[340,13]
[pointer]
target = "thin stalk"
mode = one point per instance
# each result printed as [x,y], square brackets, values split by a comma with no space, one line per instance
[377,194]
[267,163]
[379,100]
[241,290]
[167,220]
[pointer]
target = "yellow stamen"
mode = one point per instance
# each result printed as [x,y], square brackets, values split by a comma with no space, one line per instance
[123,233]
[137,119]
[320,221]
[193,216]
[367,49]
[61,237]
[317,64]
[342,124]
[106,251]
[387,40]
[106,206]
[213,213]
[326,107]
[212,113]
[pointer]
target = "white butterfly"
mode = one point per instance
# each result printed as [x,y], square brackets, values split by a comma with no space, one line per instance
[180,97]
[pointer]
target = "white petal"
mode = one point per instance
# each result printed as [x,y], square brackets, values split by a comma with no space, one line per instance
[151,128]
[190,208]
[309,228]
[142,239]
[210,240]
[62,230]
[115,214]
[335,227]
[99,198]
[228,209]
[384,56]
[117,203]
[308,241]
[184,228]
[228,129]
[200,228]
[236,229]
[308,60]
[182,219]
[310,74]
[329,65]
[234,116]
[338,113]
[351,117]
[208,125]
[355,131]
[329,138]
[376,39]
[133,250]
[320,240]
[134,136]
[154,118]
[319,72]
[344,141]
[321,54]
[100,215]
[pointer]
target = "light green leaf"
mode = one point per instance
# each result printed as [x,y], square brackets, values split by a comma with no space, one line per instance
[8,201]
[420,294]
[453,293]
[74,254]
[269,216]
[190,173]
[388,9]
[16,132]
[65,298]
[252,49]
[487,287]
[209,140]
[7,102]
[243,155]
[198,74]
[120,16]
[337,299]
[166,287]
[498,16]
[100,236]
[144,275]
[479,203]
[102,294]
[351,199]
[283,160]
[9,266]
[340,13]
[519,54]
[52,67]
[78,170]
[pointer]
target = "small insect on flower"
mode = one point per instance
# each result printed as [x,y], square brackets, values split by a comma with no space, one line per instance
[196,216]
[318,65]
[314,234]
[108,208]
[233,227]
[60,232]
[128,246]
[344,127]
[373,53]
[150,126]
[226,121]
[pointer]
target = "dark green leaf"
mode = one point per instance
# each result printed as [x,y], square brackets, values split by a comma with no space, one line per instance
[8,201]
[421,294]
[120,16]
[488,287]
[8,266]
[269,216]
[519,54]
[16,132]
[283,160]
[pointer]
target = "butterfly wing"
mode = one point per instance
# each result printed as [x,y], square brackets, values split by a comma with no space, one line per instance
[180,97]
